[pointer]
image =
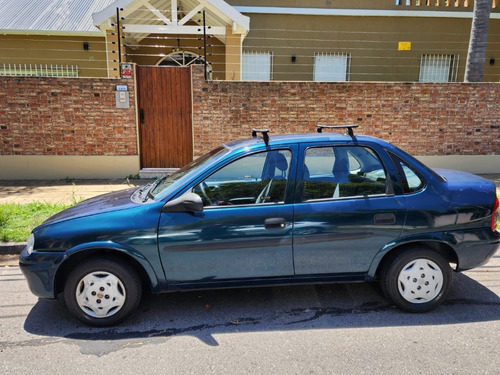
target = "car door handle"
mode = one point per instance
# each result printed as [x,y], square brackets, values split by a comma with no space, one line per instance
[385,218]
[275,223]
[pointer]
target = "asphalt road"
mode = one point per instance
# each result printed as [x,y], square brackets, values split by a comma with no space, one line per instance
[321,329]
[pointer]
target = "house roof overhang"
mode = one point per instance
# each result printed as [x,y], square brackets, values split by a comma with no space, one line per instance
[50,17]
[140,18]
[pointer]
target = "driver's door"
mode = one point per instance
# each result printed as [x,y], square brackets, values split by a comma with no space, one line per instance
[244,230]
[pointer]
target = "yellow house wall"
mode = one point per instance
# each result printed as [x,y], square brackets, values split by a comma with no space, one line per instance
[233,55]
[371,41]
[55,49]
[492,71]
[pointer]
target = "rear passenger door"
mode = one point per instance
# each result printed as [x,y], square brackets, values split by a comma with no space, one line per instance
[345,210]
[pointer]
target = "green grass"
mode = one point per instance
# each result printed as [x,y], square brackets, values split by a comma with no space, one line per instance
[17,220]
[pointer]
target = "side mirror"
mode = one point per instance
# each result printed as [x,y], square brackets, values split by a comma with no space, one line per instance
[188,202]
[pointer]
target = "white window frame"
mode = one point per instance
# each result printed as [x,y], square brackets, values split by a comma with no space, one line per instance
[332,67]
[438,68]
[39,70]
[256,66]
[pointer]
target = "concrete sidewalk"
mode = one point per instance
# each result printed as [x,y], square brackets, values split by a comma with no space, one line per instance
[61,191]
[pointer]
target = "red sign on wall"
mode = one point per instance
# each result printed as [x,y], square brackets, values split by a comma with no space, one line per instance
[126,71]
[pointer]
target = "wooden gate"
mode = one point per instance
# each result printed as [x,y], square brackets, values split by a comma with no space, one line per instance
[165,116]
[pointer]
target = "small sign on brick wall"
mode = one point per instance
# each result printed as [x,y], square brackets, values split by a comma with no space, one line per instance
[126,71]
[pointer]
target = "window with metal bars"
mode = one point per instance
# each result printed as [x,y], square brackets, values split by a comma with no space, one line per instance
[438,3]
[438,68]
[38,70]
[332,66]
[256,66]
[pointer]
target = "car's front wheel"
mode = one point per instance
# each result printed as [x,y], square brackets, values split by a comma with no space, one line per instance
[416,280]
[102,292]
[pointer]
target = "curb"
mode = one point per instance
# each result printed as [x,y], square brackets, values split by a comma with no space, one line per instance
[11,248]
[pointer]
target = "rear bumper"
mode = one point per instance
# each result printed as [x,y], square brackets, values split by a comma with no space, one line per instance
[40,269]
[476,248]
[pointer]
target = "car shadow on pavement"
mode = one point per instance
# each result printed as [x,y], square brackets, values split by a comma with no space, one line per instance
[203,314]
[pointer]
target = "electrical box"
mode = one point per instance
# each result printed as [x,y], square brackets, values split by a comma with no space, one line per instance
[122,96]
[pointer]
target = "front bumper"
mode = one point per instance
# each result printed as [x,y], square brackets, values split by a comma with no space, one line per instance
[40,269]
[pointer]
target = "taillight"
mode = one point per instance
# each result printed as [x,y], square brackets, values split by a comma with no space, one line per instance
[494,216]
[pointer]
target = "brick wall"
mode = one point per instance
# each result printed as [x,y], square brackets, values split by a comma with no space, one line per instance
[423,119]
[68,116]
[65,116]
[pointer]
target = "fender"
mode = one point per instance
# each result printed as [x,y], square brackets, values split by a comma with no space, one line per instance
[155,283]
[439,237]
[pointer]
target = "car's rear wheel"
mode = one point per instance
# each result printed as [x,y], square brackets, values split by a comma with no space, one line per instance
[416,280]
[102,292]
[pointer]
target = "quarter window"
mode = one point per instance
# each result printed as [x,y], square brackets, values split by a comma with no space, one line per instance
[254,179]
[342,172]
[410,179]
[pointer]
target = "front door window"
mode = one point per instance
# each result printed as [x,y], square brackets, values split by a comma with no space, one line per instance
[255,179]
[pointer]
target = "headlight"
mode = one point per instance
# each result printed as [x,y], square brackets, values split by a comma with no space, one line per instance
[30,244]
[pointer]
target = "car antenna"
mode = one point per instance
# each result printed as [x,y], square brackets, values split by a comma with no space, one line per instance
[347,127]
[265,134]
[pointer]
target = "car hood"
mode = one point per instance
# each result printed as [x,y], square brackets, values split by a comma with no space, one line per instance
[114,201]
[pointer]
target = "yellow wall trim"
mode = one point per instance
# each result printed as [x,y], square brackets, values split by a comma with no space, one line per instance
[357,12]
[43,167]
[104,167]
[93,34]
[477,164]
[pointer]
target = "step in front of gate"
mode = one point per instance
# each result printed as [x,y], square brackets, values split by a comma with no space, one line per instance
[156,172]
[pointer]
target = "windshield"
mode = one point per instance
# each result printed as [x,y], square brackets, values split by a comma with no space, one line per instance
[162,185]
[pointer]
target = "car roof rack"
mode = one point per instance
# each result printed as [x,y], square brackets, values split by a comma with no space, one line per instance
[347,127]
[264,132]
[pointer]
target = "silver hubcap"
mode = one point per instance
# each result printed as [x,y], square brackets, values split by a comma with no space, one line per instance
[100,294]
[420,281]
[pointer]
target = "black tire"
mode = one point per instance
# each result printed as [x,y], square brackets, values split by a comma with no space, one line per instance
[416,280]
[102,291]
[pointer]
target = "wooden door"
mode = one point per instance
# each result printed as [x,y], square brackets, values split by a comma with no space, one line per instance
[165,114]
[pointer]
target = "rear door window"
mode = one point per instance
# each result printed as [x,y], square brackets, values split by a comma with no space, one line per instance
[342,172]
